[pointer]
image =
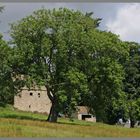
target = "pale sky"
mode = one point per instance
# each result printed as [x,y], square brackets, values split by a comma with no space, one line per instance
[122,19]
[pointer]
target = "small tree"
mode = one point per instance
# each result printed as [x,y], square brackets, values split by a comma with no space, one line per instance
[6,82]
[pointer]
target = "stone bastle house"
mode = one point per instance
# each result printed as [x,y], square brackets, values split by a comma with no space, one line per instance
[37,100]
[34,100]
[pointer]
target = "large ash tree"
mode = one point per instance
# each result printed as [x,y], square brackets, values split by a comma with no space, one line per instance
[48,48]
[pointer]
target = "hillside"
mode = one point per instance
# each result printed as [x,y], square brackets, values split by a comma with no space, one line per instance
[15,123]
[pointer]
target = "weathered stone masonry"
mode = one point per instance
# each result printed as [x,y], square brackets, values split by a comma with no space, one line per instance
[34,100]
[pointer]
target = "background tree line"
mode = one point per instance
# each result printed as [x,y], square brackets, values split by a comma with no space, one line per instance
[78,64]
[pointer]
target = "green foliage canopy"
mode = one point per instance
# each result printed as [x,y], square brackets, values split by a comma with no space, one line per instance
[48,48]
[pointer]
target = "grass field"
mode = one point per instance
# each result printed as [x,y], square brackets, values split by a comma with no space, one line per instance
[15,123]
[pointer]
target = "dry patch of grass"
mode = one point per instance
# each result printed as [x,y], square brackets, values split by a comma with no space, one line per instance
[15,123]
[30,128]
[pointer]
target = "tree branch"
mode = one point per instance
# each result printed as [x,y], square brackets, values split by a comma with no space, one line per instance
[49,93]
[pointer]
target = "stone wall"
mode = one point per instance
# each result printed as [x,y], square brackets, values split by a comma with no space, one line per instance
[92,119]
[34,100]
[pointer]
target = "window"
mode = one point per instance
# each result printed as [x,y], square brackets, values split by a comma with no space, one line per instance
[19,95]
[31,94]
[29,106]
[39,95]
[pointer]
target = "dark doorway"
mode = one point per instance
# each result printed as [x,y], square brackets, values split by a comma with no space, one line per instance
[85,116]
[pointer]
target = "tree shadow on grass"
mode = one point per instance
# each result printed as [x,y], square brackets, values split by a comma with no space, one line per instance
[68,123]
[22,117]
[75,123]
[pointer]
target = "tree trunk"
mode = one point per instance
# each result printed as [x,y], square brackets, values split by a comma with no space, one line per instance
[53,115]
[100,116]
[54,108]
[132,123]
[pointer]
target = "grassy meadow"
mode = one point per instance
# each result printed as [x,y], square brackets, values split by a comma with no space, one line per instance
[14,123]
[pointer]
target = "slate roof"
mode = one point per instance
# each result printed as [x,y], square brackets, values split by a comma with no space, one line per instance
[82,110]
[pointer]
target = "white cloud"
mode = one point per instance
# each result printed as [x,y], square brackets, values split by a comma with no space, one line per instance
[126,23]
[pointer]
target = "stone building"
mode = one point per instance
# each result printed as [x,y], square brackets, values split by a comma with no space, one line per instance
[83,114]
[34,100]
